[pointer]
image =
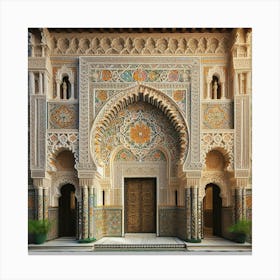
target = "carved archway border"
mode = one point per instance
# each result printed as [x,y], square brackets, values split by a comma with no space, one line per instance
[222,142]
[58,142]
[64,70]
[130,96]
[61,179]
[220,179]
[219,71]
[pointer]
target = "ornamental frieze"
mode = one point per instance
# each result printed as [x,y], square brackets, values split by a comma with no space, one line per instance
[117,44]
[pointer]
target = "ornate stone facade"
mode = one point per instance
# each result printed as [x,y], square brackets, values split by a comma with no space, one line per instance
[137,105]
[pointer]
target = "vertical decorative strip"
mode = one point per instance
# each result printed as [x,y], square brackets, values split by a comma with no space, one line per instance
[45,204]
[199,222]
[79,220]
[194,212]
[188,213]
[244,208]
[40,203]
[202,218]
[85,212]
[238,207]
[90,206]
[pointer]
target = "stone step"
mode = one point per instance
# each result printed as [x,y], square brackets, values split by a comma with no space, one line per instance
[139,247]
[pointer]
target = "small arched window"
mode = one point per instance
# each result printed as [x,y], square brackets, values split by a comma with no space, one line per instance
[65,88]
[216,88]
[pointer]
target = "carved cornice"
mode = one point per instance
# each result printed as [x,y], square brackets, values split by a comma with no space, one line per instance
[186,44]
[242,63]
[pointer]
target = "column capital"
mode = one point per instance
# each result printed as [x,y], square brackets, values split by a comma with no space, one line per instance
[43,183]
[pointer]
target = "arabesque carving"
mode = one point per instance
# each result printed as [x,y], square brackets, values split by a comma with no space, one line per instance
[59,141]
[211,141]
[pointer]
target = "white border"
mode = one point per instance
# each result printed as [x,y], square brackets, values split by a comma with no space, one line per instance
[17,16]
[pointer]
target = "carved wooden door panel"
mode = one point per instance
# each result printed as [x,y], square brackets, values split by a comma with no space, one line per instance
[140,205]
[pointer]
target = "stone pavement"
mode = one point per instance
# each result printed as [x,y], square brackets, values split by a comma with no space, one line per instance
[140,243]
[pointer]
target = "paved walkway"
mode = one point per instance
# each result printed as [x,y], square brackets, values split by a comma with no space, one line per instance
[140,242]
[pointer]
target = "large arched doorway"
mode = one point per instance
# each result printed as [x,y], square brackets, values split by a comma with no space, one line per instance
[67,211]
[212,209]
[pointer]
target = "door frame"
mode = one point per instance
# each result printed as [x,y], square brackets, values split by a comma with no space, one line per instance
[156,200]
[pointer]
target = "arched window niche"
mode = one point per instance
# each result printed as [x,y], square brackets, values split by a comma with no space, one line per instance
[64,84]
[215,82]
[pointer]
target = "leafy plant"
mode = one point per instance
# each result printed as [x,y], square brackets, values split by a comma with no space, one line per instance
[87,240]
[242,226]
[39,226]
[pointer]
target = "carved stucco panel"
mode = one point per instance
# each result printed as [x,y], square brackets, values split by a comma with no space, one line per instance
[210,141]
[59,141]
[140,44]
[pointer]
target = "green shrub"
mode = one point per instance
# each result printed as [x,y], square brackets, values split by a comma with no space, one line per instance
[87,240]
[39,226]
[193,240]
[242,226]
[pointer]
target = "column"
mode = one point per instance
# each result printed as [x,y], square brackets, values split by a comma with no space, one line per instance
[194,213]
[202,218]
[40,203]
[72,91]
[188,213]
[248,83]
[244,207]
[45,83]
[238,204]
[91,198]
[31,83]
[57,89]
[45,204]
[85,212]
[236,83]
[40,83]
[79,220]
[223,90]
[208,90]
[199,221]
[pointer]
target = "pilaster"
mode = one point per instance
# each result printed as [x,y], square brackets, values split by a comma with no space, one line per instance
[42,197]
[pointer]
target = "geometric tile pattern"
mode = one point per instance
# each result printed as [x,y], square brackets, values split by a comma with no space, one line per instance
[63,116]
[217,116]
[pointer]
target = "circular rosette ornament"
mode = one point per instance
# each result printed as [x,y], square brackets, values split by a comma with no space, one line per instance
[139,75]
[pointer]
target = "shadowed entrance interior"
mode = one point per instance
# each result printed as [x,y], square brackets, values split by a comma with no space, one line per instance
[140,205]
[212,205]
[67,211]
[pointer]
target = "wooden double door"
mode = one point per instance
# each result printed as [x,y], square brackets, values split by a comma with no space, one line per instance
[140,205]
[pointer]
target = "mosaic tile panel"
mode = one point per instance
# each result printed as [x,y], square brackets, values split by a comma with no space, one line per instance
[181,223]
[31,204]
[107,222]
[112,222]
[63,116]
[167,221]
[140,128]
[98,228]
[127,73]
[54,218]
[217,116]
